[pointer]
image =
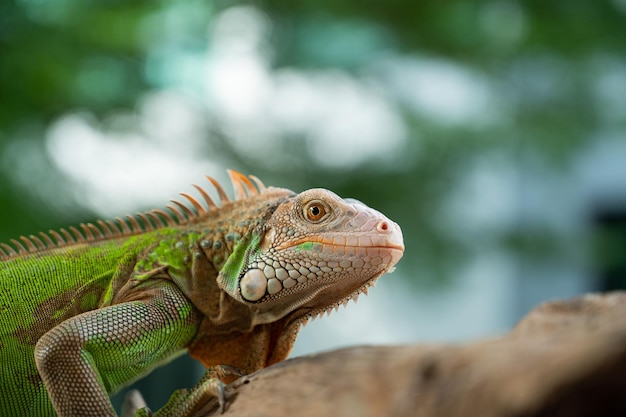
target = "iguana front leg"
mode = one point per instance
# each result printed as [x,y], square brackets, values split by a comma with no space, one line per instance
[87,356]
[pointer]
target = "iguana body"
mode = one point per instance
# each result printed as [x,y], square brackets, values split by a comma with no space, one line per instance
[83,313]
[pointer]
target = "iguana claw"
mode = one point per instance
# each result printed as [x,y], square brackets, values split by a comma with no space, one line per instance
[212,382]
[184,402]
[224,370]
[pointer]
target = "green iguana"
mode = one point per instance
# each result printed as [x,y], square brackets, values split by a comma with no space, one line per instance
[85,311]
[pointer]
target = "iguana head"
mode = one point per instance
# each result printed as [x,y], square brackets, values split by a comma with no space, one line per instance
[314,252]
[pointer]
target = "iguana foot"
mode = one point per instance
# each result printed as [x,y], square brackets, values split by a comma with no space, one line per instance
[211,382]
[183,403]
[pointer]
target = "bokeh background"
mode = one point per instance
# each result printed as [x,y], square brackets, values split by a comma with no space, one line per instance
[493,132]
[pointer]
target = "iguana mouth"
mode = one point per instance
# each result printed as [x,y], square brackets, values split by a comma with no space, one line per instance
[330,245]
[376,242]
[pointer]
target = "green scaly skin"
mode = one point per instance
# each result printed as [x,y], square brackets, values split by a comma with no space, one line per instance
[231,285]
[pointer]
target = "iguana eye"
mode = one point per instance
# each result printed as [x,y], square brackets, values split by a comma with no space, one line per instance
[315,211]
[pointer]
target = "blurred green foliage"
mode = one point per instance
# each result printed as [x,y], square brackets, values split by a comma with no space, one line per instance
[542,59]
[546,62]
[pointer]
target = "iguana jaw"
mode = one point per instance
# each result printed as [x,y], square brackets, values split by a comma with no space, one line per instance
[326,300]
[390,251]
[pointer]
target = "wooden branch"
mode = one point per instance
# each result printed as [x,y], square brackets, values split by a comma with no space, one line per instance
[566,358]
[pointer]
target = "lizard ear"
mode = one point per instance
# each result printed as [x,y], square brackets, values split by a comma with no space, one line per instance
[267,239]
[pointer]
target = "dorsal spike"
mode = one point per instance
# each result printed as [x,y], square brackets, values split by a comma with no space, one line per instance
[190,214]
[195,203]
[38,243]
[224,199]
[240,192]
[241,184]
[98,234]
[209,201]
[147,224]
[8,249]
[134,224]
[168,217]
[59,239]
[18,245]
[47,239]
[79,236]
[123,225]
[156,219]
[259,184]
[113,227]
[178,213]
[87,232]
[29,244]
[180,217]
[105,228]
[68,236]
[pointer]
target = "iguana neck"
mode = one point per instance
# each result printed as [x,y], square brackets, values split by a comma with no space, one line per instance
[195,253]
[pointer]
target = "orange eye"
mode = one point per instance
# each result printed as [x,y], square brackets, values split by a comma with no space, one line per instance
[315,211]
